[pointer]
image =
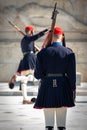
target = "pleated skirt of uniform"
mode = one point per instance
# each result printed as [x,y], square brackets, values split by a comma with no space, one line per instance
[54,97]
[28,62]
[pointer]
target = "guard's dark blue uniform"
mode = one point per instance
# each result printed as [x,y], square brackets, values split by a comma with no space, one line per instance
[27,46]
[55,66]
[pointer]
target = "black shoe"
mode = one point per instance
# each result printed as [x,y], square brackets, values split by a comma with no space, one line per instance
[49,127]
[27,102]
[61,128]
[11,82]
[11,85]
[33,100]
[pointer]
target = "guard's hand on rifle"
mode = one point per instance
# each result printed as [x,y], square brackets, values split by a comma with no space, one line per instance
[46,30]
[49,33]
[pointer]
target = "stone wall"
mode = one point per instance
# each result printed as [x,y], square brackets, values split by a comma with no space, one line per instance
[72,18]
[10,55]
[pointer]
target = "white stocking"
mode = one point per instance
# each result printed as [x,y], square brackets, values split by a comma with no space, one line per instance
[24,90]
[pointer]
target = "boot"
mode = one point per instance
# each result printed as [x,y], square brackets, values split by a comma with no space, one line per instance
[11,82]
[61,128]
[33,100]
[49,127]
[27,102]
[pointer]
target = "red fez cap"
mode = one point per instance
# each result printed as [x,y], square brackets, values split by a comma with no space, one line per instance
[58,31]
[29,28]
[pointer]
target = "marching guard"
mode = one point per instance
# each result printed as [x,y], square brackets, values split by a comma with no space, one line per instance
[27,64]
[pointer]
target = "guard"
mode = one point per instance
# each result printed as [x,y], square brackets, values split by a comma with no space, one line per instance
[27,64]
[56,67]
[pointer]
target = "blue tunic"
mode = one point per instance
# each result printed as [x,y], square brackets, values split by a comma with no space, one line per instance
[55,91]
[27,46]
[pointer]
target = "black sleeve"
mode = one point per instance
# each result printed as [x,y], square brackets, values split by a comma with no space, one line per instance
[37,36]
[38,73]
[71,70]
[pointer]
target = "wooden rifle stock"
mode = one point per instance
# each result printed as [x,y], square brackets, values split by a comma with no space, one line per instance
[48,39]
[18,29]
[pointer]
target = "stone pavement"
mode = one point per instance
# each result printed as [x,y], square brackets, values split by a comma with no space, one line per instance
[16,116]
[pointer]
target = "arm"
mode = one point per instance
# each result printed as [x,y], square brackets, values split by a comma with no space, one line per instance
[38,73]
[19,30]
[37,36]
[71,71]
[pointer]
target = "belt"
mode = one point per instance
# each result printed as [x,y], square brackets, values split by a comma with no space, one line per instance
[55,75]
[28,52]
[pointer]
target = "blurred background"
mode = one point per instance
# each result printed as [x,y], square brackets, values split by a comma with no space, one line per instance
[72,18]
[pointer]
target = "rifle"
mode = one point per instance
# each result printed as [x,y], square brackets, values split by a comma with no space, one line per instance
[18,29]
[48,39]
